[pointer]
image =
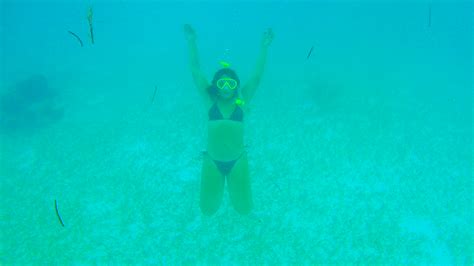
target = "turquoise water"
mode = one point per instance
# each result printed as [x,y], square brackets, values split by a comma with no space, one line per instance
[361,153]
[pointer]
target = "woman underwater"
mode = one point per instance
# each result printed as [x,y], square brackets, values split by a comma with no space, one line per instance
[225,157]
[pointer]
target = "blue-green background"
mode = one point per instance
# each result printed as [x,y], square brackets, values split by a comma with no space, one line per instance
[361,153]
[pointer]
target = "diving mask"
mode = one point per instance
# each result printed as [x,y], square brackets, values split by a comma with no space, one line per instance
[226,82]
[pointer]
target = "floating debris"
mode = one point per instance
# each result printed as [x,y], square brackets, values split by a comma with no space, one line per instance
[429,17]
[154,93]
[310,51]
[91,29]
[57,212]
[77,37]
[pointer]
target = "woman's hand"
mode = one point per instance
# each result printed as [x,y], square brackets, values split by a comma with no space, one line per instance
[267,38]
[189,33]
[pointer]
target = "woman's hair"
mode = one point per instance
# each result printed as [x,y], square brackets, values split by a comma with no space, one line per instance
[214,91]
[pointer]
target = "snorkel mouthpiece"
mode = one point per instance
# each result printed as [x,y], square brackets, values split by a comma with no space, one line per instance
[239,102]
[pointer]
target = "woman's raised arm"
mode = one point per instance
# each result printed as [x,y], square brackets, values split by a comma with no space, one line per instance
[249,89]
[198,76]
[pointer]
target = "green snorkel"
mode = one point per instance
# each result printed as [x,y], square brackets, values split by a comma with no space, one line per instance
[224,64]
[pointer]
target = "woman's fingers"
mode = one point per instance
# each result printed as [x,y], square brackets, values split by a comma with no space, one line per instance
[267,37]
[270,33]
[188,29]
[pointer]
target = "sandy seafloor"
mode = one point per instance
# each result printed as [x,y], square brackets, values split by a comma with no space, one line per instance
[357,155]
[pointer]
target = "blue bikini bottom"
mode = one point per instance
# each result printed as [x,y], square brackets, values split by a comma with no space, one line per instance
[225,166]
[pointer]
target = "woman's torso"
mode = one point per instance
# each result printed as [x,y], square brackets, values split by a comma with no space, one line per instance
[226,136]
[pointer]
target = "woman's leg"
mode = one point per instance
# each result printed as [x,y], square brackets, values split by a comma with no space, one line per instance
[239,186]
[212,186]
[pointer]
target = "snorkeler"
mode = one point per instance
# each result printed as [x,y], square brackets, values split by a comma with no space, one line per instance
[225,158]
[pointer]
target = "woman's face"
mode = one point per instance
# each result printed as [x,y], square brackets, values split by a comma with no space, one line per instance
[227,87]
